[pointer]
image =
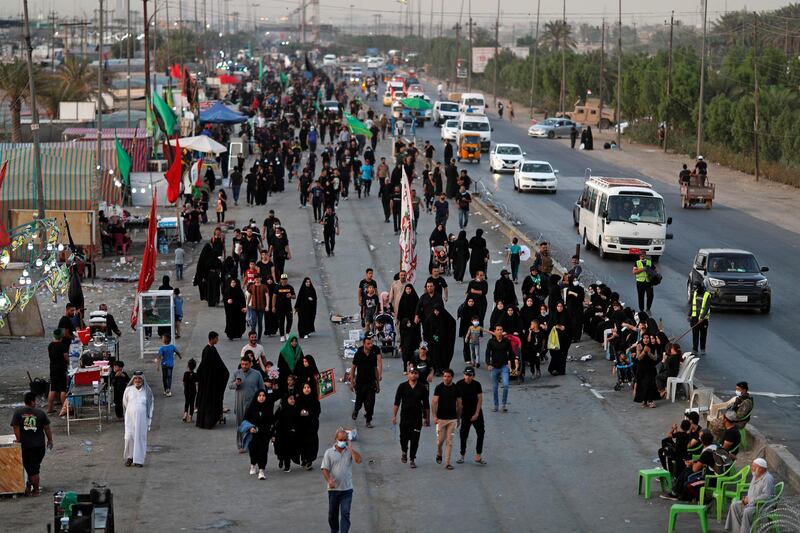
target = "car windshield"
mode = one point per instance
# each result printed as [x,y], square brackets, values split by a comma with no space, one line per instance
[549,122]
[734,263]
[451,124]
[509,150]
[628,208]
[476,126]
[448,107]
[474,102]
[537,168]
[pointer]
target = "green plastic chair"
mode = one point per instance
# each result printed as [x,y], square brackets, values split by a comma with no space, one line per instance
[769,517]
[743,433]
[680,508]
[718,493]
[647,475]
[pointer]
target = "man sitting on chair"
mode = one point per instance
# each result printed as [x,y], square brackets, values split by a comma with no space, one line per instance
[762,486]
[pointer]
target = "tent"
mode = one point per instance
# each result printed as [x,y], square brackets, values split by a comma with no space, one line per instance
[200,143]
[220,114]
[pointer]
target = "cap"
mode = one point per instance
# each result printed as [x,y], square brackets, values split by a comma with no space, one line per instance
[423,344]
[284,276]
[469,371]
[760,461]
[504,272]
[699,157]
[58,333]
[413,369]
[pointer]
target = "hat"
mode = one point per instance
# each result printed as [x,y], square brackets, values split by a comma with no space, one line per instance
[504,272]
[369,336]
[423,344]
[699,157]
[284,276]
[413,369]
[469,371]
[760,461]
[58,333]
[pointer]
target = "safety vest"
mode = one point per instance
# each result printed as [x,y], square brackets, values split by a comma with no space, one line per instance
[642,276]
[705,310]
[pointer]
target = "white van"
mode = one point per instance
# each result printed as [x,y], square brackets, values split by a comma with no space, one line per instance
[476,124]
[472,104]
[621,216]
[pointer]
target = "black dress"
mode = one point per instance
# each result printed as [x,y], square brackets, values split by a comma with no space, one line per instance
[478,260]
[286,440]
[440,334]
[460,253]
[261,416]
[306,308]
[213,281]
[235,323]
[308,427]
[212,379]
[479,290]
[558,358]
[201,272]
[646,389]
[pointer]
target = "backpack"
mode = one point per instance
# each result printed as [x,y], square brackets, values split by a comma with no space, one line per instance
[653,276]
[722,460]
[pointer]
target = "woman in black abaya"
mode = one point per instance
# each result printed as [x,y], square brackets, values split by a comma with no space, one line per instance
[306,308]
[645,389]
[286,441]
[201,272]
[466,311]
[259,413]
[212,379]
[479,254]
[306,371]
[410,335]
[438,238]
[560,320]
[308,425]
[478,288]
[235,310]
[214,281]
[460,254]
[440,334]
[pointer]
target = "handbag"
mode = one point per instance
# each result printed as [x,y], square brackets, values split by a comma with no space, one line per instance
[552,340]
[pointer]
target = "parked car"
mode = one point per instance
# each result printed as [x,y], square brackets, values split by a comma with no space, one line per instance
[415,90]
[505,157]
[387,98]
[733,278]
[450,130]
[329,60]
[553,127]
[535,176]
[443,110]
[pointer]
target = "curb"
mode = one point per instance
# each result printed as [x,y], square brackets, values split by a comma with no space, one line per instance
[782,463]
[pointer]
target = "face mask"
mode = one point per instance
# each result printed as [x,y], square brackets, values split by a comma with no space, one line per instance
[738,393]
[475,323]
[341,444]
[574,283]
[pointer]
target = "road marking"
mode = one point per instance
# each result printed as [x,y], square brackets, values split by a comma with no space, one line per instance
[774,395]
[597,394]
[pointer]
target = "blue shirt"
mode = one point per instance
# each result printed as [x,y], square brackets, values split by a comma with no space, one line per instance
[178,306]
[167,354]
[366,172]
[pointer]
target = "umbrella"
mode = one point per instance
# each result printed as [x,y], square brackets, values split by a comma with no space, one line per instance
[220,114]
[356,127]
[201,143]
[524,253]
[416,103]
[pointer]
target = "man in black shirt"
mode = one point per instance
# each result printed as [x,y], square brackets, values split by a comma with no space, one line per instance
[411,399]
[365,375]
[282,303]
[58,354]
[446,415]
[30,427]
[439,283]
[363,285]
[427,302]
[396,208]
[66,327]
[498,356]
[471,414]
[330,229]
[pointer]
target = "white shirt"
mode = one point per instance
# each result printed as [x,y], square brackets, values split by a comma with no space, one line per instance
[258,351]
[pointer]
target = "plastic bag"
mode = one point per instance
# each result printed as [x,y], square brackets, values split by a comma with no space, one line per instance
[552,340]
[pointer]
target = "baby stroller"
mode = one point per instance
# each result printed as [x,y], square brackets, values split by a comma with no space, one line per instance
[623,368]
[385,334]
[440,258]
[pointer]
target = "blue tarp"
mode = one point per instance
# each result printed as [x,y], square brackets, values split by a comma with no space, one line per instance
[220,114]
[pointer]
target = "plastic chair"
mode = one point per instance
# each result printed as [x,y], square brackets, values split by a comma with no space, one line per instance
[687,356]
[718,493]
[687,379]
[647,475]
[680,508]
[704,397]
[769,516]
[743,433]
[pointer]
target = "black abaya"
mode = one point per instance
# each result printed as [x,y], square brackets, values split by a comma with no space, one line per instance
[307,374]
[440,334]
[410,337]
[235,323]
[308,427]
[478,260]
[306,308]
[478,290]
[558,358]
[213,281]
[460,252]
[465,313]
[286,440]
[201,272]
[212,379]
[646,389]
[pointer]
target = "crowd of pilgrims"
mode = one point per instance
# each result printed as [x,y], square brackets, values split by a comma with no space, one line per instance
[248,276]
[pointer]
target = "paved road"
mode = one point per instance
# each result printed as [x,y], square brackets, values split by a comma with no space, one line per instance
[761,349]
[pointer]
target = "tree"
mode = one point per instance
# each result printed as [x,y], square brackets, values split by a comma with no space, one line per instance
[557,33]
[14,89]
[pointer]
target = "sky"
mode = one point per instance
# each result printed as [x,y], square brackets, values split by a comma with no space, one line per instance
[517,13]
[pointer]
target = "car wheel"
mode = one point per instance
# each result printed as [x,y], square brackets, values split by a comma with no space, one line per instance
[766,308]
[551,135]
[600,250]
[586,244]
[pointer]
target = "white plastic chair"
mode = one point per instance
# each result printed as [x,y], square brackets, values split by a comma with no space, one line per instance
[686,379]
[687,356]
[704,397]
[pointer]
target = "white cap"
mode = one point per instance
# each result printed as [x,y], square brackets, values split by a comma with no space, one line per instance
[699,157]
[760,461]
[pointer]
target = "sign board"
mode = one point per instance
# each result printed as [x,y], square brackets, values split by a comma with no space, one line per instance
[81,223]
[480,58]
[235,149]
[520,51]
[326,383]
[78,111]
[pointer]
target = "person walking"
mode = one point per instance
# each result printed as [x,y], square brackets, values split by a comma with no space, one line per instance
[31,425]
[180,261]
[138,405]
[330,229]
[471,414]
[573,136]
[247,383]
[499,356]
[58,354]
[260,421]
[446,415]
[337,469]
[644,289]
[282,303]
[212,376]
[698,317]
[464,199]
[365,376]
[411,399]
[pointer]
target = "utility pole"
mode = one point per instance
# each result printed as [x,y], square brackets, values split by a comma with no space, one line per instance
[458,46]
[351,20]
[669,81]
[128,38]
[563,94]
[496,51]
[441,17]
[602,70]
[53,20]
[98,165]
[37,155]
[535,52]
[619,78]
[702,81]
[146,45]
[755,94]
[469,72]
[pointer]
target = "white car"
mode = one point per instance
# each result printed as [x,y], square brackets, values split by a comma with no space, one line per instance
[415,90]
[329,60]
[450,130]
[505,157]
[535,176]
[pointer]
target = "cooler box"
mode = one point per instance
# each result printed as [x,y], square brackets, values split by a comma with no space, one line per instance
[12,476]
[86,376]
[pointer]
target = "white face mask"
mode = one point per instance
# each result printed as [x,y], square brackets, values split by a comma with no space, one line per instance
[738,393]
[341,444]
[575,283]
[475,323]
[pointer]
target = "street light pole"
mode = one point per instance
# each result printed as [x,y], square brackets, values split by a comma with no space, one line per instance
[702,81]
[98,166]
[37,156]
[128,54]
[535,50]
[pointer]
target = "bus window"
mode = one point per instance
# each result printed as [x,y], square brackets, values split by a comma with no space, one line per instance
[592,200]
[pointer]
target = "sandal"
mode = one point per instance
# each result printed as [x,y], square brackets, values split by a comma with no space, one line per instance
[460,460]
[479,461]
[448,467]
[438,459]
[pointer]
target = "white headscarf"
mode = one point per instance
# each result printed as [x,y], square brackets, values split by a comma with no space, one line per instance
[147,390]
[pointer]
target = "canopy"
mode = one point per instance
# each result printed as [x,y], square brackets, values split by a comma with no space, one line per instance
[200,143]
[220,114]
[356,127]
[415,103]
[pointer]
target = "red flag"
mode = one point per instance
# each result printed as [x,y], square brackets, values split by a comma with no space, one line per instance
[3,170]
[147,273]
[174,173]
[175,71]
[227,78]
[5,239]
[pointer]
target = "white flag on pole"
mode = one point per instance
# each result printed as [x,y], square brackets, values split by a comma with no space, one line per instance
[408,253]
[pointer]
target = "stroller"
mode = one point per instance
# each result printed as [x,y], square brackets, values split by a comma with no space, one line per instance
[385,334]
[440,258]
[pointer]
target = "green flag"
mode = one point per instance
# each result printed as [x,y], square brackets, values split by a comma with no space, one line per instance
[260,68]
[149,114]
[164,115]
[124,163]
[284,79]
[170,100]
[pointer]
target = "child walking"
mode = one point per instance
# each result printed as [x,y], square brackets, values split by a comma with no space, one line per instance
[178,301]
[473,338]
[189,390]
[165,362]
[534,347]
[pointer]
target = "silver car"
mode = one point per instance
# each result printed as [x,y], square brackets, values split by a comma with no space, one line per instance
[553,127]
